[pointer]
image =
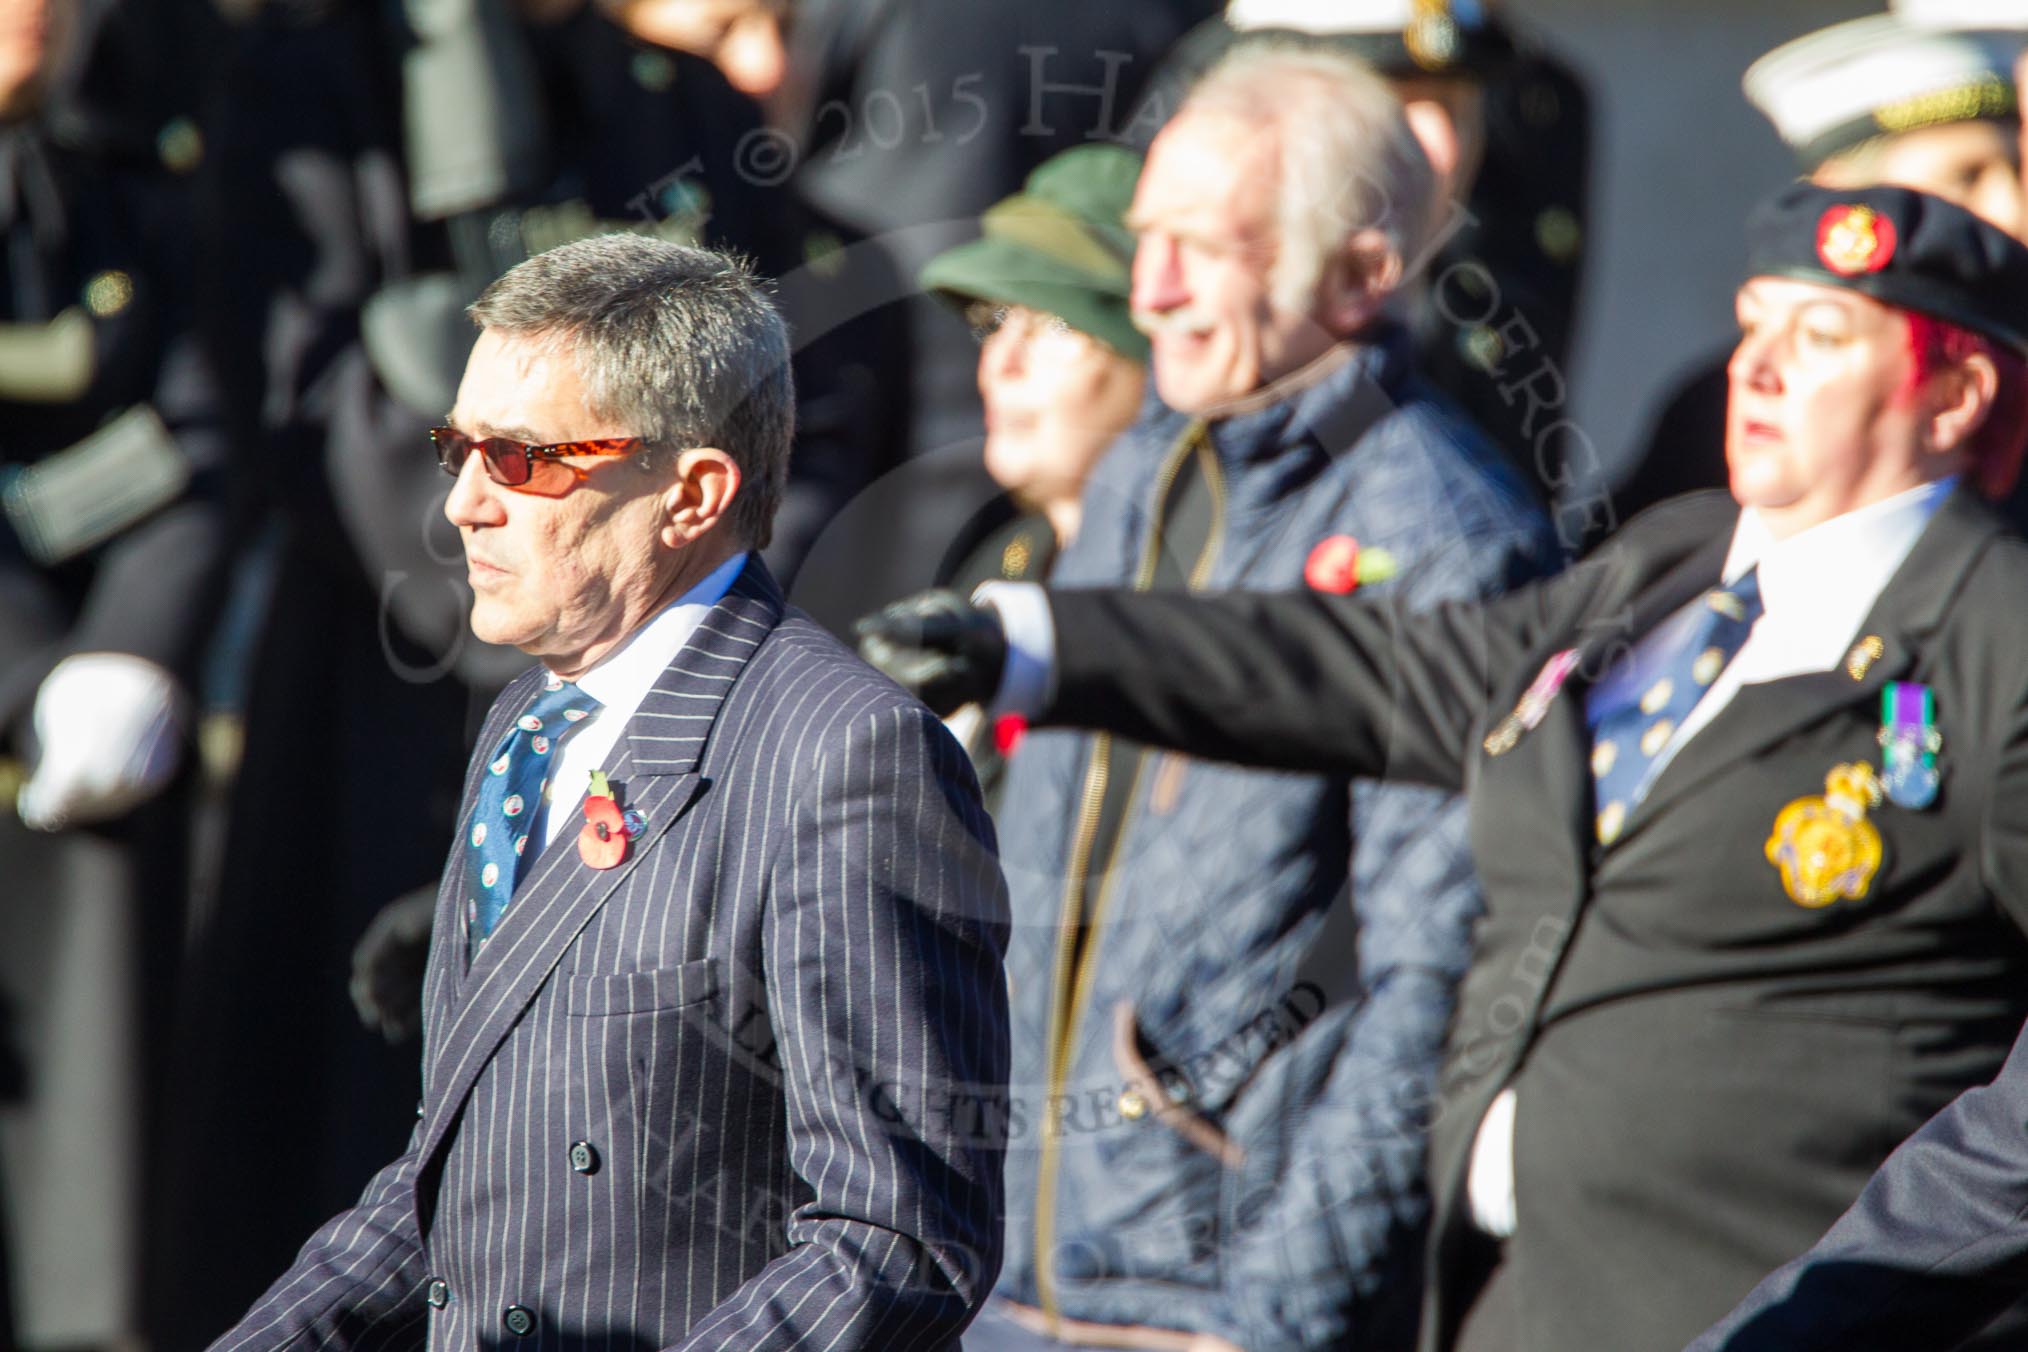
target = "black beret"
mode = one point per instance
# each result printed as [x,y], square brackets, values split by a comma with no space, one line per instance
[1901,247]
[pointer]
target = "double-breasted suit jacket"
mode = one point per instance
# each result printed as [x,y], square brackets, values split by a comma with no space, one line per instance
[742,1090]
[1706,1071]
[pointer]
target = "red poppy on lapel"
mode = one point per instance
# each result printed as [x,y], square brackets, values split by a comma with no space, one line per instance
[602,840]
[1338,565]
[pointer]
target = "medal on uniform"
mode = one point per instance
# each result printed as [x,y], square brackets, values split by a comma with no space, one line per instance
[1823,846]
[1534,703]
[1909,742]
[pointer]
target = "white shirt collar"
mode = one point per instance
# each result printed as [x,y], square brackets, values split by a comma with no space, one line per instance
[1818,585]
[623,678]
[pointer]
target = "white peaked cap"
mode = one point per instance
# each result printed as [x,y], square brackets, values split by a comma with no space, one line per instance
[1987,14]
[1325,17]
[1829,90]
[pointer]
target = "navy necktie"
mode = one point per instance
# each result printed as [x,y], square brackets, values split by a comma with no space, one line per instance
[1635,710]
[510,809]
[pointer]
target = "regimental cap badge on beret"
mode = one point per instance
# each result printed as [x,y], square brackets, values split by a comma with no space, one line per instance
[1854,239]
[1901,247]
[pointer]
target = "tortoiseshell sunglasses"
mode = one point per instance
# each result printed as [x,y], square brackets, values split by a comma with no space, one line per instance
[518,465]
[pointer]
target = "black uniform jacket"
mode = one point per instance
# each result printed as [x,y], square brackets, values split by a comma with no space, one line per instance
[1707,1071]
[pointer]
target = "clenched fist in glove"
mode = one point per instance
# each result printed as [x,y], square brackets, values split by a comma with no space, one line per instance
[946,651]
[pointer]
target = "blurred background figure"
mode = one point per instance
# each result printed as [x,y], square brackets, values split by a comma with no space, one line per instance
[114,483]
[1506,123]
[897,123]
[1221,1051]
[1061,370]
[1876,100]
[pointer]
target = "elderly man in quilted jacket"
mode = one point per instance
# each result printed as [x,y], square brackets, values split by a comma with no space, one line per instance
[1230,988]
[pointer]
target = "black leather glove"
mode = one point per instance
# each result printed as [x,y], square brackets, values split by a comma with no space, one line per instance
[945,650]
[388,964]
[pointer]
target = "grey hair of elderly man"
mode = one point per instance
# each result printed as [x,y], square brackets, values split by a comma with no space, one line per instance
[1347,157]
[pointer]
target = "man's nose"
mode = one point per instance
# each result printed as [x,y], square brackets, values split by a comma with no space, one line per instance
[474,499]
[1158,274]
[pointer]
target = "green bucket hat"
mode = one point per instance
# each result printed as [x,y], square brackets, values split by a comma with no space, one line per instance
[1060,245]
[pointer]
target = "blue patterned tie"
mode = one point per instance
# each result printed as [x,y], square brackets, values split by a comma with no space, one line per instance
[1636,708]
[510,810]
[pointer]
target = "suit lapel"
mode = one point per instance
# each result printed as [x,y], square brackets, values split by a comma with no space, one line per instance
[446,972]
[1909,608]
[656,773]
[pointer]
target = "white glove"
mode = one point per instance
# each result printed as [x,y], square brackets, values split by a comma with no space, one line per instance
[111,730]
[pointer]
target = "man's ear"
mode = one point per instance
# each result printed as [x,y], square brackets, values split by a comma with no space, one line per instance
[1357,282]
[1436,132]
[699,494]
[1964,396]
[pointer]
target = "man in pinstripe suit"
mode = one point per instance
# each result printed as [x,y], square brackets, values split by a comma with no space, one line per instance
[745,1086]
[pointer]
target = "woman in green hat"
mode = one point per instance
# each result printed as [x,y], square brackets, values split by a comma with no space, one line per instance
[1061,366]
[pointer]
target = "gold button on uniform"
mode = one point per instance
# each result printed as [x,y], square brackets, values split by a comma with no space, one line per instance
[1657,697]
[1602,758]
[1709,663]
[108,293]
[1132,1106]
[1558,234]
[180,145]
[1864,654]
[1015,557]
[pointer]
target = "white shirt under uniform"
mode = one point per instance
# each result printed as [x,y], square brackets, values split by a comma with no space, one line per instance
[620,681]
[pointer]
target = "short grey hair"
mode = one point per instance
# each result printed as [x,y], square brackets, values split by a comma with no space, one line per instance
[680,346]
[1348,158]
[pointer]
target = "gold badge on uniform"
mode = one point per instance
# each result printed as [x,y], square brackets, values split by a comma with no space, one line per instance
[1823,846]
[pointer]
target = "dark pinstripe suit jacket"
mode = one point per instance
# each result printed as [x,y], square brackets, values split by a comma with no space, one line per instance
[778,1028]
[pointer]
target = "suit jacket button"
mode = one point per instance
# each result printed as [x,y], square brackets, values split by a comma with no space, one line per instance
[418,1107]
[439,1294]
[583,1157]
[519,1319]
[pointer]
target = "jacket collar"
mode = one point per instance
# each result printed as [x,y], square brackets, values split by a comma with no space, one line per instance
[1330,401]
[1277,441]
[1908,612]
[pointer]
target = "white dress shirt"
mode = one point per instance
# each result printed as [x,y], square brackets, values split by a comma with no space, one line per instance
[620,681]
[1816,589]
